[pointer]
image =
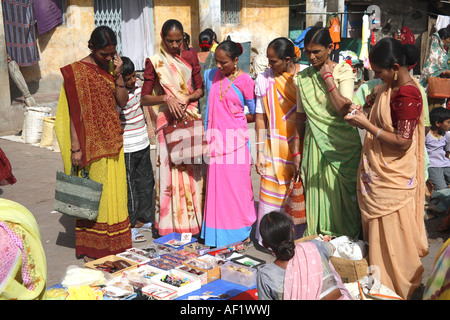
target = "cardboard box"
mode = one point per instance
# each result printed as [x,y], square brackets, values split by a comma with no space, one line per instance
[206,263]
[112,258]
[150,253]
[197,248]
[159,292]
[142,275]
[134,257]
[238,274]
[201,275]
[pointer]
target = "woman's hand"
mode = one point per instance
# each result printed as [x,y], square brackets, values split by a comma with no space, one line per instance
[184,100]
[354,107]
[357,119]
[77,158]
[175,107]
[260,163]
[118,63]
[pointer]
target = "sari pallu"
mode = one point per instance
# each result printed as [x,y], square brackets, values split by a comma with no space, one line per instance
[391,196]
[330,159]
[179,188]
[278,94]
[91,105]
[99,131]
[229,205]
[23,271]
[304,275]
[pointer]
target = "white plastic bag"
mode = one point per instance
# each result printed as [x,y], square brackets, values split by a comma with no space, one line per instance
[76,276]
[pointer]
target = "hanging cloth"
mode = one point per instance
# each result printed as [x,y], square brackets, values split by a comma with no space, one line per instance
[20,36]
[364,54]
[137,37]
[48,15]
[335,31]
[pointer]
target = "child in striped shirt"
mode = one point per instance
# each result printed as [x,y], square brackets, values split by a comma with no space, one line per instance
[136,145]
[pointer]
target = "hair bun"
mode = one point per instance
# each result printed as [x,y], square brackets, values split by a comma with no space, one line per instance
[205,44]
[240,48]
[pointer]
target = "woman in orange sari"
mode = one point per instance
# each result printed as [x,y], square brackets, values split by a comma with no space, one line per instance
[391,184]
[275,127]
[89,134]
[168,87]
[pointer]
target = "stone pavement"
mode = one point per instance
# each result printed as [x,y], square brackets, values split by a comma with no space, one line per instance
[35,169]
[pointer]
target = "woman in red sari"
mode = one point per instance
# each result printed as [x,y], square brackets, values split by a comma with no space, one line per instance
[391,181]
[89,134]
[169,80]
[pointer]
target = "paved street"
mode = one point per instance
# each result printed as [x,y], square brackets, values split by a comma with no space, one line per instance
[35,169]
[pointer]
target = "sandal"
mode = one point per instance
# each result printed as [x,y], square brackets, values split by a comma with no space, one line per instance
[88,259]
[247,245]
[136,236]
[146,226]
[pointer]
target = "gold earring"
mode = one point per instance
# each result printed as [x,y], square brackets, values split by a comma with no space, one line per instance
[395,75]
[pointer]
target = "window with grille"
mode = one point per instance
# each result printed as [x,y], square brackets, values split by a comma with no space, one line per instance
[109,13]
[230,11]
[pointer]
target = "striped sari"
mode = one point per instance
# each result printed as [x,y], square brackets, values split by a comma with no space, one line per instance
[330,160]
[278,94]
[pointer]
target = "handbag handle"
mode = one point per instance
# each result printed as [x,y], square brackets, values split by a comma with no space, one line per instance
[84,172]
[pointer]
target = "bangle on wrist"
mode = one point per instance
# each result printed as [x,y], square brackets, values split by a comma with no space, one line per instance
[328,76]
[295,154]
[332,89]
[75,151]
[379,132]
[167,98]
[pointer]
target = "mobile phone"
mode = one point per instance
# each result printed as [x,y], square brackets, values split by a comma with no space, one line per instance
[111,68]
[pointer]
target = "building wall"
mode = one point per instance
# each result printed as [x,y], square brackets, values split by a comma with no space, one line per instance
[265,20]
[59,47]
[185,11]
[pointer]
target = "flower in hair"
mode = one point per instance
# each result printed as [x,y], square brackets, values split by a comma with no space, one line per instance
[240,48]
[297,52]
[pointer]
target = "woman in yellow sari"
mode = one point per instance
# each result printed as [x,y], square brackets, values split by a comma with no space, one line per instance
[169,80]
[89,134]
[391,184]
[275,125]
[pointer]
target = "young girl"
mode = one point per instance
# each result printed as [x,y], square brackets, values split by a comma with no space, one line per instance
[301,271]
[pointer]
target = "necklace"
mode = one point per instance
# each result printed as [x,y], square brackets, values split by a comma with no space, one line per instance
[410,79]
[232,78]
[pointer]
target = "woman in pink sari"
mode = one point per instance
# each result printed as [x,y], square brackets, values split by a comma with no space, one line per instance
[229,204]
[168,88]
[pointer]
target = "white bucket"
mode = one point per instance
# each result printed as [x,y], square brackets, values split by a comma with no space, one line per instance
[32,127]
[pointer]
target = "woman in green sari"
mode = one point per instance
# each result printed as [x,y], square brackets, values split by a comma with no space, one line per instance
[332,148]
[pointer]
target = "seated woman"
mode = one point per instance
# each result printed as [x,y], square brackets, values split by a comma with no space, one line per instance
[301,271]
